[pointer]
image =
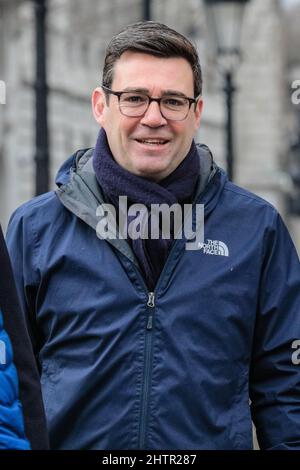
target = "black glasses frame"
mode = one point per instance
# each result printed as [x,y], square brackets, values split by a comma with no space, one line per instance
[158,100]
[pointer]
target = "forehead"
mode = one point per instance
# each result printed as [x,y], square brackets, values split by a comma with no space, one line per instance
[135,69]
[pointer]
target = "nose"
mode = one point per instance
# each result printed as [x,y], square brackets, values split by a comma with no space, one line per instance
[153,116]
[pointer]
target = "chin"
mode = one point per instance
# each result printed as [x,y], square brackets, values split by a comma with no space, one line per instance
[152,163]
[151,173]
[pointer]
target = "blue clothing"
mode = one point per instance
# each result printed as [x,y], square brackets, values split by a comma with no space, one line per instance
[11,418]
[124,368]
[178,187]
[29,380]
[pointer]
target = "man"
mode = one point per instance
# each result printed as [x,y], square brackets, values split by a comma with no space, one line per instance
[12,435]
[143,343]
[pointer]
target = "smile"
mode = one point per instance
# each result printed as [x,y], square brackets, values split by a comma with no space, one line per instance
[152,141]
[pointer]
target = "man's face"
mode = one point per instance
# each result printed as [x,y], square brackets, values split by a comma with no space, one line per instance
[127,135]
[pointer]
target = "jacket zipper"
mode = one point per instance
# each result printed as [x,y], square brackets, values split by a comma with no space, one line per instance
[148,349]
[147,370]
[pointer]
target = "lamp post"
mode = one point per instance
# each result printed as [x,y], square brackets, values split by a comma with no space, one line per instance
[146,10]
[225,19]
[41,89]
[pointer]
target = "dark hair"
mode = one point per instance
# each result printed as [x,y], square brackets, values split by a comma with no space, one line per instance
[155,39]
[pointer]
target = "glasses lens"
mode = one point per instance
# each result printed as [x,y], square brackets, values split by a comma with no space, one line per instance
[174,107]
[133,104]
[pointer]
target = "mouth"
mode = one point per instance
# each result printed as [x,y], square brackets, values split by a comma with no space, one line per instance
[153,142]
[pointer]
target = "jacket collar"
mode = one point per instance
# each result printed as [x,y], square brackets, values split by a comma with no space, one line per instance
[79,191]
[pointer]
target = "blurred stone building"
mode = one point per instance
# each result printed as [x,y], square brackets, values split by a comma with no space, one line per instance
[77,35]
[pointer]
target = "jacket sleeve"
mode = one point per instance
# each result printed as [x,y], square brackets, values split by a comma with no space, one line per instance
[16,327]
[275,369]
[12,435]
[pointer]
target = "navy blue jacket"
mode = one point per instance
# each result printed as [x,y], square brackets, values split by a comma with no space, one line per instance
[123,368]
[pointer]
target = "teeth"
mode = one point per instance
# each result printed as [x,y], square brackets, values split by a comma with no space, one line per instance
[154,142]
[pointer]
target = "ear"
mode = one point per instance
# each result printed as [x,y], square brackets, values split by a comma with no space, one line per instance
[99,105]
[198,111]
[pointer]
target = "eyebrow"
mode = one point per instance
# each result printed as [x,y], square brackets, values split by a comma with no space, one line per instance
[145,90]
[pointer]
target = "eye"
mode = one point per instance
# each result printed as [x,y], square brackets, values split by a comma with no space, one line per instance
[174,101]
[133,98]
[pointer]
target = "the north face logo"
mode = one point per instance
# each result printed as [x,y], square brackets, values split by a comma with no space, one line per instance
[214,247]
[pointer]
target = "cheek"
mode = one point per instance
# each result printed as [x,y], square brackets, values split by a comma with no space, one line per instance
[105,121]
[192,127]
[184,132]
[126,130]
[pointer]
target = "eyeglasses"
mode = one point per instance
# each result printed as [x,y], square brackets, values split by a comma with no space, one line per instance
[135,104]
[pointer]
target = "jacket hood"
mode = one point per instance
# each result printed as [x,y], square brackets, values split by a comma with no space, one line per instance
[70,166]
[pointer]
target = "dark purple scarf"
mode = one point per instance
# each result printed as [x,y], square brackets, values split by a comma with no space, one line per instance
[178,187]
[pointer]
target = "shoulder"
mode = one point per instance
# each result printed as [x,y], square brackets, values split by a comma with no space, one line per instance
[47,201]
[247,197]
[41,211]
[248,215]
[242,201]
[33,224]
[258,216]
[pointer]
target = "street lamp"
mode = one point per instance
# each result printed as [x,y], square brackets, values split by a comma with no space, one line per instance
[225,20]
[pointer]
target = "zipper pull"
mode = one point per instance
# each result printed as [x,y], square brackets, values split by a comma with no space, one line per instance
[151,298]
[151,304]
[150,323]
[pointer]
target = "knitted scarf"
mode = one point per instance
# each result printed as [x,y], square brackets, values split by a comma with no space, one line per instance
[178,187]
